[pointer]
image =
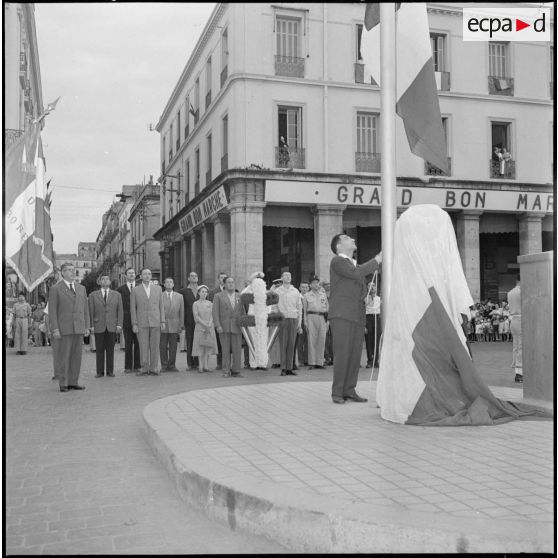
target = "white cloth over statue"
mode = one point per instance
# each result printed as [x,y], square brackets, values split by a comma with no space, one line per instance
[426,372]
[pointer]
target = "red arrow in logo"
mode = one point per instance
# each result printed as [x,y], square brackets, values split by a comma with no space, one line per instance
[519,25]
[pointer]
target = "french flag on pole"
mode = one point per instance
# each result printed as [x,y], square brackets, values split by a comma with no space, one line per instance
[417,96]
[27,222]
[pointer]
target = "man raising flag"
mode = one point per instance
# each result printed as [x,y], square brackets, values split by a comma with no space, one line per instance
[27,223]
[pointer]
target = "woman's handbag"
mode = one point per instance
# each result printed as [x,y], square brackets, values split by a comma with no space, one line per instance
[205,339]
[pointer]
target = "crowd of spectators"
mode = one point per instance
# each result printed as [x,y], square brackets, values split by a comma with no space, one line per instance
[489,322]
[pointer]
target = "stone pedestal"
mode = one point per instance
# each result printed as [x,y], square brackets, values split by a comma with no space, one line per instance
[328,221]
[246,209]
[222,244]
[208,257]
[467,234]
[530,233]
[537,305]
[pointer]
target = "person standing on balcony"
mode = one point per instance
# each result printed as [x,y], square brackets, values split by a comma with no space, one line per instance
[506,156]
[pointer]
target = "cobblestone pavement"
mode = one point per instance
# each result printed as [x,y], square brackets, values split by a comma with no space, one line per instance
[81,479]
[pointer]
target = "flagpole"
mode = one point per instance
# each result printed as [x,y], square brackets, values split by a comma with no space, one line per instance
[387,134]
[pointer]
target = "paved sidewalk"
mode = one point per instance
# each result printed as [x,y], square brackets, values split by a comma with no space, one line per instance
[282,460]
[80,477]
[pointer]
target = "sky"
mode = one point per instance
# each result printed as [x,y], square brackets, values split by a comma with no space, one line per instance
[115,66]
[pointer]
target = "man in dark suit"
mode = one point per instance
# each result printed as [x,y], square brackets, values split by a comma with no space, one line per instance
[190,294]
[347,315]
[106,314]
[131,344]
[69,319]
[225,310]
[218,289]
[173,304]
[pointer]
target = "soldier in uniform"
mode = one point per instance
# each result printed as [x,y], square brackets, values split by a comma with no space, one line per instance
[22,314]
[315,311]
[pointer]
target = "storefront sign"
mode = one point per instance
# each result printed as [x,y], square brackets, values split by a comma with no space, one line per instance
[208,207]
[284,191]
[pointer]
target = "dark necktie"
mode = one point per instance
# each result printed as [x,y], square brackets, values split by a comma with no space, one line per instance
[72,288]
[105,296]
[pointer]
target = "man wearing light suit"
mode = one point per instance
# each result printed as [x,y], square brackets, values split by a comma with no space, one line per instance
[148,319]
[174,323]
[225,309]
[347,315]
[107,315]
[69,320]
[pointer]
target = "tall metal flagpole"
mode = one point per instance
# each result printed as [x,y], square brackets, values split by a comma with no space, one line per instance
[387,133]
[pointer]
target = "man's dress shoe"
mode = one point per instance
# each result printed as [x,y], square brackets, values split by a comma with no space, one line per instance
[110,375]
[63,389]
[99,375]
[356,398]
[337,399]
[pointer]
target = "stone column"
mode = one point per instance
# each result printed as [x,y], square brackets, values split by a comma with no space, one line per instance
[328,221]
[467,233]
[186,261]
[194,250]
[530,233]
[208,258]
[222,243]
[246,210]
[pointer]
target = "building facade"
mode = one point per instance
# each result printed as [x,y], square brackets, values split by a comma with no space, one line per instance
[270,145]
[84,263]
[144,220]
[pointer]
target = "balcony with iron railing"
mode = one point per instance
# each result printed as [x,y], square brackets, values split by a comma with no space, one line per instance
[290,158]
[500,86]
[433,170]
[207,99]
[289,66]
[224,75]
[11,135]
[224,162]
[502,169]
[368,162]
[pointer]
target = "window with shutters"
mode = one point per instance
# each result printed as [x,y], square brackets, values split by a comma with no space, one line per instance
[208,83]
[178,130]
[224,56]
[438,42]
[367,156]
[225,143]
[500,81]
[360,69]
[208,160]
[288,59]
[502,163]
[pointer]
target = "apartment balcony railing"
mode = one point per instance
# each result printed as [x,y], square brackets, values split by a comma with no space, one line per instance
[289,66]
[290,158]
[359,74]
[505,169]
[368,162]
[433,170]
[224,162]
[197,186]
[500,86]
[207,177]
[224,75]
[207,99]
[11,135]
[442,81]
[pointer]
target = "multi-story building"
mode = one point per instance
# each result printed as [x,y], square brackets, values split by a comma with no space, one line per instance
[84,261]
[144,220]
[270,145]
[107,243]
[23,100]
[88,250]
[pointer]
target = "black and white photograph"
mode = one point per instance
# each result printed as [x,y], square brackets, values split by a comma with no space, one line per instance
[279,278]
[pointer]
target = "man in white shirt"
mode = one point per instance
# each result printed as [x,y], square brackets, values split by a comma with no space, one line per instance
[290,305]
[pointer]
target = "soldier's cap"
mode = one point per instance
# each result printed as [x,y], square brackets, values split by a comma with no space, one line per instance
[314,278]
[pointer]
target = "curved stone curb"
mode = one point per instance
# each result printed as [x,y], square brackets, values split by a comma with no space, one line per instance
[311,523]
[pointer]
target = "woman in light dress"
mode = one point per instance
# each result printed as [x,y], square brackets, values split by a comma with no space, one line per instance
[205,343]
